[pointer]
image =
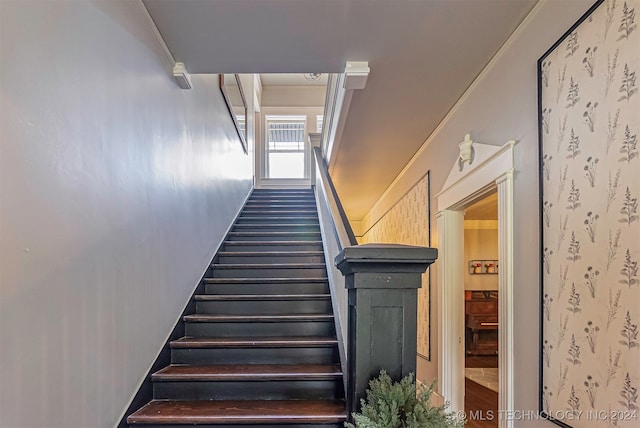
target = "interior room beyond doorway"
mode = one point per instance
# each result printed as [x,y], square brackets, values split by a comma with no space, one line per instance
[481,312]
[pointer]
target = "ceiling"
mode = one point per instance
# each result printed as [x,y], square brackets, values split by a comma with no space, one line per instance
[423,54]
[484,209]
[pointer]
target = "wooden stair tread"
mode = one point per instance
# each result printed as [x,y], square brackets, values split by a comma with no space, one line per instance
[280,212]
[263,280]
[290,205]
[259,297]
[269,253]
[268,265]
[249,225]
[274,217]
[219,412]
[258,318]
[266,206]
[275,233]
[273,243]
[253,372]
[262,342]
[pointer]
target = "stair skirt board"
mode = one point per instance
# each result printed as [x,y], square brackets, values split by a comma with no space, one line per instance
[256,345]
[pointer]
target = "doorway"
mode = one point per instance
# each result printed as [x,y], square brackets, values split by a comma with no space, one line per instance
[489,168]
[481,300]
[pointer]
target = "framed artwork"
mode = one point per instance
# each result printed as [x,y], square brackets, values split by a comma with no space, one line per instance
[589,119]
[236,103]
[430,244]
[483,267]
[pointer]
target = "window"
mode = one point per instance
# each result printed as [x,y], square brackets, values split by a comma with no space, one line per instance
[286,146]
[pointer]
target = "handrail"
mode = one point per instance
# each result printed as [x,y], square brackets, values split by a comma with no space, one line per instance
[360,277]
[336,236]
[346,237]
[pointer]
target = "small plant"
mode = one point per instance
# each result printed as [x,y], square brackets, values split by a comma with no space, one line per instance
[401,405]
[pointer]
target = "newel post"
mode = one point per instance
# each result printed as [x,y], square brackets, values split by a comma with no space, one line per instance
[382,282]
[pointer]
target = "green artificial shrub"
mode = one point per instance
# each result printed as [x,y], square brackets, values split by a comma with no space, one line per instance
[401,404]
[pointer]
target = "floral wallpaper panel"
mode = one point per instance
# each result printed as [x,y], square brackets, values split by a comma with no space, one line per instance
[408,223]
[590,167]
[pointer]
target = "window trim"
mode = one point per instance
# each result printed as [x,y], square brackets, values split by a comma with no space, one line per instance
[285,118]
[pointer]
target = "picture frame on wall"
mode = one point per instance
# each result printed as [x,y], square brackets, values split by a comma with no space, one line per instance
[588,124]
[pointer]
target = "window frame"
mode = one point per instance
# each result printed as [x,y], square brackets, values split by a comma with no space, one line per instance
[285,118]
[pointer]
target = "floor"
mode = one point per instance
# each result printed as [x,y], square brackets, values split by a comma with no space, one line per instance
[480,403]
[487,377]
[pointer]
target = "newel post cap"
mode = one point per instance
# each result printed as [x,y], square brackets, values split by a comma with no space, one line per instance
[396,258]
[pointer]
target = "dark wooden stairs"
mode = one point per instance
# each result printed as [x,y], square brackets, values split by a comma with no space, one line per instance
[260,349]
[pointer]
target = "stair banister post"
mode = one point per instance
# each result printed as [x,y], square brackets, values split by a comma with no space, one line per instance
[382,282]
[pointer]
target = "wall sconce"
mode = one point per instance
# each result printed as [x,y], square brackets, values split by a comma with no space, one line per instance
[466,151]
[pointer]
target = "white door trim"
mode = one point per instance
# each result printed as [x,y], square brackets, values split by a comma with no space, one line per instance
[491,168]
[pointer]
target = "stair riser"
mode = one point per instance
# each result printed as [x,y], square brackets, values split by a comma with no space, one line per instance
[297,237]
[248,219]
[250,208]
[277,228]
[256,212]
[282,196]
[271,258]
[256,356]
[337,425]
[259,193]
[269,273]
[280,202]
[266,307]
[248,390]
[309,288]
[279,192]
[259,329]
[239,246]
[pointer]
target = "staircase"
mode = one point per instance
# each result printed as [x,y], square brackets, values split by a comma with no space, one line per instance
[260,349]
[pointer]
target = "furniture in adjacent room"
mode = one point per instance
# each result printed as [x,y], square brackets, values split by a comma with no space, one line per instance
[481,322]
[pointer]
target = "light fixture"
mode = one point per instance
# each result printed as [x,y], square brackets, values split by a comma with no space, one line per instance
[312,77]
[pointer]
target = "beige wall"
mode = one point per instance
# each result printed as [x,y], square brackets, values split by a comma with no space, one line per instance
[293,96]
[116,187]
[501,105]
[480,244]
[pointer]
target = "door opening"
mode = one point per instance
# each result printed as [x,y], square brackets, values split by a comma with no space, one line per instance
[481,322]
[489,168]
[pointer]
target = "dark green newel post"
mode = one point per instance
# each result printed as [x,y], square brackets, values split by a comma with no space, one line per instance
[382,282]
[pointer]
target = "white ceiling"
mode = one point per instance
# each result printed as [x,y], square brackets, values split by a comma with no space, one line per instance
[423,54]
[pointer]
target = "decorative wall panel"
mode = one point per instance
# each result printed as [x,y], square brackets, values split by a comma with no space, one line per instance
[408,223]
[590,183]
